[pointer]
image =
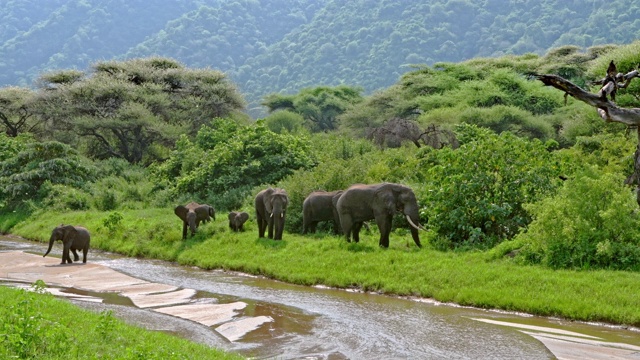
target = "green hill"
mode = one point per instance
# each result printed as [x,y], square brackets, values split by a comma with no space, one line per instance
[269,46]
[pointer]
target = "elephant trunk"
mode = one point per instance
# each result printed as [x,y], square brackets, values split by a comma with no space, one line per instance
[51,240]
[414,230]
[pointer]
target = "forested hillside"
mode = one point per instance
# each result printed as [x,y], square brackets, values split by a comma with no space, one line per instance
[268,46]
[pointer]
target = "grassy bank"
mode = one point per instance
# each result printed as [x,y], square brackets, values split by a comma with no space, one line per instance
[37,325]
[481,279]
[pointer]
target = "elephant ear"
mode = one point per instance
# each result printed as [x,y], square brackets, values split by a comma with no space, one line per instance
[212,212]
[384,196]
[202,211]
[232,215]
[244,216]
[181,211]
[267,197]
[70,230]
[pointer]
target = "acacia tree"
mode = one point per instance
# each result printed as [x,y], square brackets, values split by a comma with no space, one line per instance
[319,106]
[16,111]
[604,102]
[124,108]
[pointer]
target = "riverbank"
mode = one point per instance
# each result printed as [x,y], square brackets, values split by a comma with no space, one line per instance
[479,279]
[39,325]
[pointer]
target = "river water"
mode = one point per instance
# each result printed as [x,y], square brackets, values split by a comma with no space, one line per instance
[323,323]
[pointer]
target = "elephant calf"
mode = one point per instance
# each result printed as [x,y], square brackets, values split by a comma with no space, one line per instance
[73,238]
[192,215]
[237,220]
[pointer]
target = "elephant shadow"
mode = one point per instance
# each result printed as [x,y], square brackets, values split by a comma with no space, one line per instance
[65,265]
[271,244]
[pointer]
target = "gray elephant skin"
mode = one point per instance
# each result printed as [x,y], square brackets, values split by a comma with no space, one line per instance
[73,238]
[192,215]
[320,206]
[360,203]
[237,220]
[271,207]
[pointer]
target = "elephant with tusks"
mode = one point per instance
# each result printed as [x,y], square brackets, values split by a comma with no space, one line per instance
[379,202]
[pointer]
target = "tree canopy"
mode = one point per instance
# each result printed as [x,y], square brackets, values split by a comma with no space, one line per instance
[126,108]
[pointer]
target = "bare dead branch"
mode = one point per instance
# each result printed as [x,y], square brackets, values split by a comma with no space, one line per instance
[608,110]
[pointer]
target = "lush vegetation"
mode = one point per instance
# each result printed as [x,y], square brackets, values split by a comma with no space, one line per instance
[35,325]
[489,279]
[288,45]
[523,194]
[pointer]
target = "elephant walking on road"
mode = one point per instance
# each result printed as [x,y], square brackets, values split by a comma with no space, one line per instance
[360,203]
[237,220]
[320,206]
[271,207]
[192,215]
[73,238]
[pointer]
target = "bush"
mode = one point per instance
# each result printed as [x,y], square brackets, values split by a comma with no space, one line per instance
[593,222]
[475,194]
[23,176]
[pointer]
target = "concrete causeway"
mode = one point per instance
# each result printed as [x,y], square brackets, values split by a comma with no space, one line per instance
[225,319]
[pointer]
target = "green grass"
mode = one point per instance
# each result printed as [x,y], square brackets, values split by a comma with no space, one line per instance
[480,279]
[35,325]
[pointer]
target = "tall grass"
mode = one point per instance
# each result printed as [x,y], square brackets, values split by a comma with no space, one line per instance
[481,279]
[36,325]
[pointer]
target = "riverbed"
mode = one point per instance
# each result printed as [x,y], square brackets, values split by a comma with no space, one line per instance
[324,323]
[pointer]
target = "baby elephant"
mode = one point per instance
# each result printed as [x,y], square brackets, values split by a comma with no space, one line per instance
[73,238]
[237,220]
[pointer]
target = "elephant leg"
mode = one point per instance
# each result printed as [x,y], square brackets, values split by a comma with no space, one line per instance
[75,254]
[184,230]
[65,254]
[347,225]
[356,231]
[312,226]
[261,226]
[84,254]
[270,226]
[384,225]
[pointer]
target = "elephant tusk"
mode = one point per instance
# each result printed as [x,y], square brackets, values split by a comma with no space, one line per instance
[271,215]
[414,225]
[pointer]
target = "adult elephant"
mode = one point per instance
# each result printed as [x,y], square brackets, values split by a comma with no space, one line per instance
[192,215]
[73,238]
[320,206]
[271,207]
[360,203]
[237,220]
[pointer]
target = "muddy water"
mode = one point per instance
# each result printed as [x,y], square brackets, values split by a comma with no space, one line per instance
[320,323]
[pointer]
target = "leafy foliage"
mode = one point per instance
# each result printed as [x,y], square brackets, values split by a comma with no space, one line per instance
[477,192]
[127,109]
[227,160]
[592,222]
[29,174]
[320,106]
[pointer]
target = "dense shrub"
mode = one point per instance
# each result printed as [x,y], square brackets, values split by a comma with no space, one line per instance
[229,157]
[23,176]
[592,222]
[475,194]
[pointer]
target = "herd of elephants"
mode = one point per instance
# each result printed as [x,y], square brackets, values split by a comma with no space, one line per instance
[348,209]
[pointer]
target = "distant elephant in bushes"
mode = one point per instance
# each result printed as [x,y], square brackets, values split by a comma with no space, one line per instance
[320,206]
[192,215]
[360,203]
[73,238]
[237,220]
[271,207]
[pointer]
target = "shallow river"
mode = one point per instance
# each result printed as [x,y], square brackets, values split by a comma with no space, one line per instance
[321,323]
